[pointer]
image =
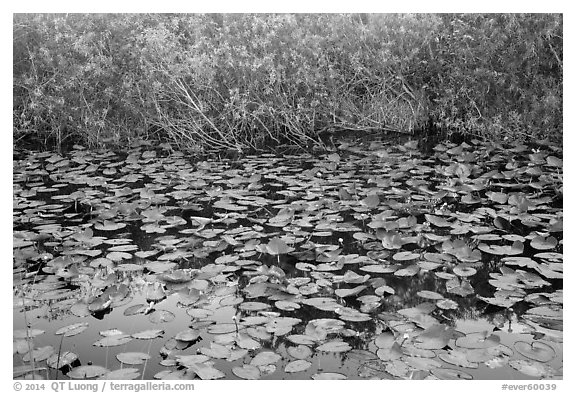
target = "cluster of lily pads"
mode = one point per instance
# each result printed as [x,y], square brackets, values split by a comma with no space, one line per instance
[364,262]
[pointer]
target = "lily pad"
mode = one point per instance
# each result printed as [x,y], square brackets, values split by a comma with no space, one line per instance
[64,359]
[464,271]
[264,358]
[297,366]
[72,330]
[88,371]
[132,357]
[161,316]
[39,354]
[122,374]
[544,243]
[188,335]
[300,351]
[148,334]
[536,350]
[247,371]
[113,341]
[329,376]
[334,346]
[206,371]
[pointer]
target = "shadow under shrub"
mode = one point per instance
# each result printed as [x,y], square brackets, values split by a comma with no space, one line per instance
[238,81]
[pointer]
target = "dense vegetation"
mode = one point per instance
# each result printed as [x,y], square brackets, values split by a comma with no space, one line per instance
[248,81]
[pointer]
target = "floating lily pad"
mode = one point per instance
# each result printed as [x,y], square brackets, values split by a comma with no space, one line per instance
[409,271]
[113,341]
[254,306]
[434,337]
[302,339]
[264,358]
[322,303]
[148,334]
[464,271]
[447,304]
[430,295]
[350,314]
[286,305]
[334,346]
[122,374]
[187,335]
[39,354]
[206,371]
[161,316]
[247,371]
[405,256]
[329,376]
[535,350]
[72,330]
[132,357]
[297,366]
[88,371]
[350,292]
[61,360]
[217,351]
[299,352]
[246,342]
[186,360]
[544,243]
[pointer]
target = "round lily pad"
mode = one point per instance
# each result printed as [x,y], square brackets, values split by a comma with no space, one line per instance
[122,374]
[286,305]
[160,316]
[187,335]
[405,256]
[464,271]
[39,354]
[535,350]
[329,376]
[148,334]
[430,295]
[88,371]
[247,371]
[264,358]
[478,340]
[59,361]
[447,304]
[113,341]
[254,306]
[300,351]
[334,346]
[297,366]
[72,330]
[132,357]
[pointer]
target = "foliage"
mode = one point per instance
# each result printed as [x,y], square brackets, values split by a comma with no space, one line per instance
[238,81]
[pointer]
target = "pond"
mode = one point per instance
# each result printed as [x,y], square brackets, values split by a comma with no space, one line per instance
[376,260]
